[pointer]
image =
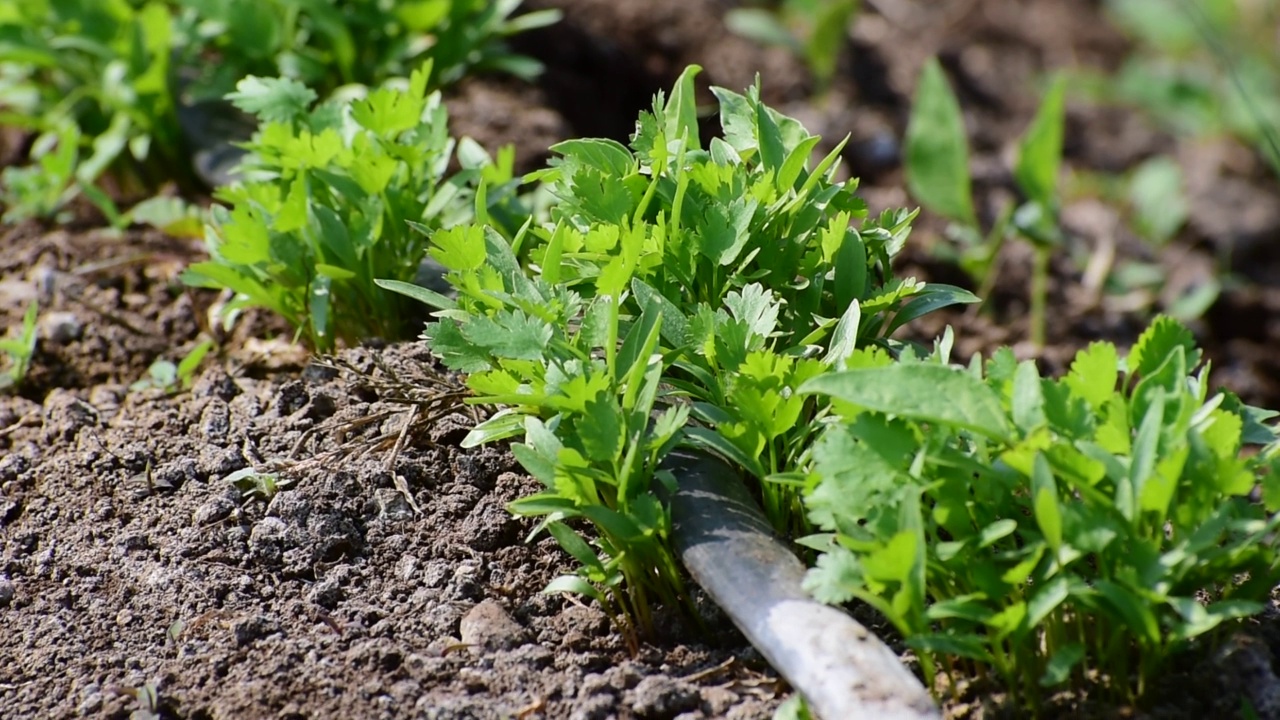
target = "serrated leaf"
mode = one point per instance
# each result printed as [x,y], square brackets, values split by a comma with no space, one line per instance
[1157,342]
[273,99]
[1093,374]
[460,248]
[509,334]
[457,353]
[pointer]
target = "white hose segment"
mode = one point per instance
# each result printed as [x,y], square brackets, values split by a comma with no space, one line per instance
[843,670]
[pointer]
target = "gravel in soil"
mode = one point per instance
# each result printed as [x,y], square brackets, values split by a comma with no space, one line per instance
[128,560]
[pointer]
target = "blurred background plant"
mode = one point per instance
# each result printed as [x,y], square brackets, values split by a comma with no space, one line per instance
[110,83]
[1201,67]
[814,30]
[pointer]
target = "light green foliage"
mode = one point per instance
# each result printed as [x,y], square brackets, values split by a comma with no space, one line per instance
[1050,530]
[19,348]
[337,196]
[40,190]
[324,44]
[937,149]
[110,69]
[1202,68]
[1158,199]
[102,66]
[815,30]
[937,167]
[678,293]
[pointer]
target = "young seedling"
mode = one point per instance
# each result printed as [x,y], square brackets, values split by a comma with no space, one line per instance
[170,377]
[937,165]
[19,349]
[813,30]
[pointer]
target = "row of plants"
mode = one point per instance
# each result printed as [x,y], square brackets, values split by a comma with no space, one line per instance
[734,297]
[1049,532]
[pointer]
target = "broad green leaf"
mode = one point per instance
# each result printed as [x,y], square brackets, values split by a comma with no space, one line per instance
[573,544]
[937,149]
[1027,403]
[608,156]
[1061,663]
[1143,462]
[928,298]
[932,393]
[574,585]
[682,109]
[964,645]
[1040,150]
[714,441]
[504,424]
[844,338]
[1131,610]
[1044,491]
[1158,199]
[828,37]
[1047,599]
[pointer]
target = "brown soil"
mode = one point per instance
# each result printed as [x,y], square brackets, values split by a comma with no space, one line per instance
[385,583]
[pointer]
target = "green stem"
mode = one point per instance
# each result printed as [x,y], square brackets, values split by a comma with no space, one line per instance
[1039,295]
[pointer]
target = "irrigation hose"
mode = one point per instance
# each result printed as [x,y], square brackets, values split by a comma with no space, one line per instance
[842,670]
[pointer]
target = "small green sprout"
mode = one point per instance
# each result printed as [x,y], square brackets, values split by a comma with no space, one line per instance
[20,349]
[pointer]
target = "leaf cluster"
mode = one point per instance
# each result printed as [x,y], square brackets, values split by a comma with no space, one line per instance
[677,293]
[937,169]
[337,195]
[1050,530]
[120,83]
[325,44]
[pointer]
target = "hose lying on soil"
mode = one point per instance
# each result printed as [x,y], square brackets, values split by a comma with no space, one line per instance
[841,669]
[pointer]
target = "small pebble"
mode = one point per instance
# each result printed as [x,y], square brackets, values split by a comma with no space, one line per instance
[7,591]
[60,327]
[487,626]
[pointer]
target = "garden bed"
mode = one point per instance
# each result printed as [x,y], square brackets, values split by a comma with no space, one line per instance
[388,579]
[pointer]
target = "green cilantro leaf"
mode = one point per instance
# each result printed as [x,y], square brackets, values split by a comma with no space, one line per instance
[272,99]
[457,353]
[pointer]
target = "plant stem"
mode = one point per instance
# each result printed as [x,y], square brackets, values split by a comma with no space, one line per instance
[1039,295]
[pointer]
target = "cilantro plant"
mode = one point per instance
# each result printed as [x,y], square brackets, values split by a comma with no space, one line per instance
[1054,532]
[171,377]
[937,167]
[336,196]
[678,293]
